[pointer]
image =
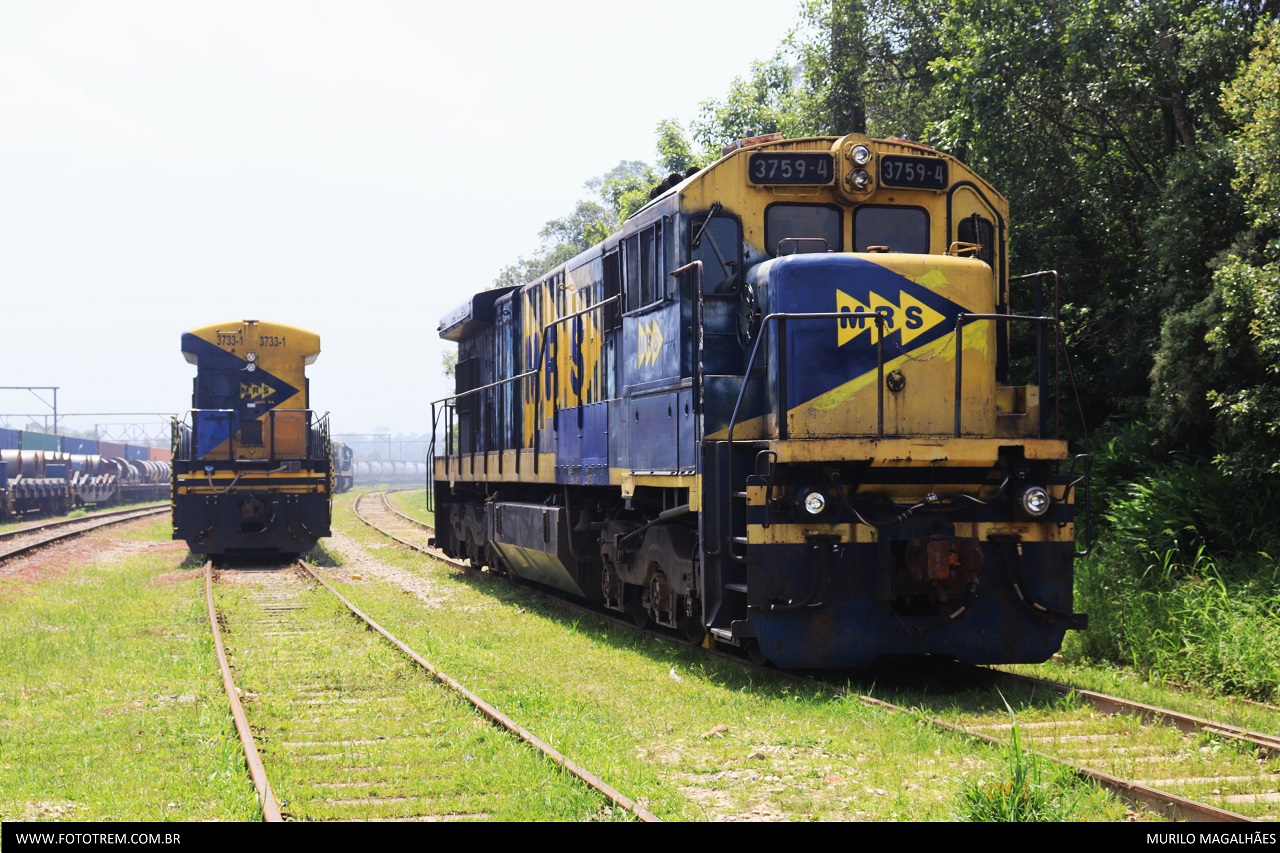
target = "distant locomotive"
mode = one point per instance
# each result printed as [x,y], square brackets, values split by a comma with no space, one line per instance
[343,468]
[251,463]
[782,409]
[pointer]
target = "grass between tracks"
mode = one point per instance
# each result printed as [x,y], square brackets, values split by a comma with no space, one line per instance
[413,504]
[692,738]
[350,728]
[111,705]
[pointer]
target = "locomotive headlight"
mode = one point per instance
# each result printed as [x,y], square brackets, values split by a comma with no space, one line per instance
[251,357]
[1035,501]
[861,155]
[814,503]
[861,180]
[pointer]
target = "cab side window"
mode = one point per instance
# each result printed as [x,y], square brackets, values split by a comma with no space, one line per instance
[643,259]
[975,229]
[717,242]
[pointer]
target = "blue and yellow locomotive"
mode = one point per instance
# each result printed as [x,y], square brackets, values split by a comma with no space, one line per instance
[789,407]
[252,464]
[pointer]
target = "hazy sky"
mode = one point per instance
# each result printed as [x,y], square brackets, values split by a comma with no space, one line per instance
[353,168]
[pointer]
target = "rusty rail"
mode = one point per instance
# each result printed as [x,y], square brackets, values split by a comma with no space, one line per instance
[270,810]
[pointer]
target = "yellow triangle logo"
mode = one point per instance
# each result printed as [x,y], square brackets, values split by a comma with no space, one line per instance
[849,329]
[917,318]
[886,309]
[649,342]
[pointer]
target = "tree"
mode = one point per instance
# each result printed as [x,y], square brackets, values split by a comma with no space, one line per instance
[768,100]
[1100,120]
[1247,402]
[869,61]
[619,192]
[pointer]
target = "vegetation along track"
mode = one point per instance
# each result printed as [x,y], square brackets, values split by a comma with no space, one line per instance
[353,726]
[1184,767]
[14,543]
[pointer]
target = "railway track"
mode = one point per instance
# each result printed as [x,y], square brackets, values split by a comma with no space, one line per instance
[1188,766]
[1183,767]
[338,723]
[14,543]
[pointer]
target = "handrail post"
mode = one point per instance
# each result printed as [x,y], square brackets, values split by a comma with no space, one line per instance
[960,323]
[880,375]
[783,401]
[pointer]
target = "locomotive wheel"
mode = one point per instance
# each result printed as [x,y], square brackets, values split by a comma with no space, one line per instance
[693,630]
[639,615]
[754,652]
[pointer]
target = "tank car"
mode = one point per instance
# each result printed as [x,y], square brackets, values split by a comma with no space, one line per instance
[251,469]
[797,405]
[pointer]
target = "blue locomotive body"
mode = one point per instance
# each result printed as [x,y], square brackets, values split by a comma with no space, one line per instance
[780,414]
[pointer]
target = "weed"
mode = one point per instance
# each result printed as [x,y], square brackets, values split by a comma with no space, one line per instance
[1031,790]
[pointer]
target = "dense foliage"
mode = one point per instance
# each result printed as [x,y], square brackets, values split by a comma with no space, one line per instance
[1138,142]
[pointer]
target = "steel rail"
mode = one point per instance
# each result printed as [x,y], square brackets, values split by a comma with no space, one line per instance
[355,507]
[1188,723]
[1170,805]
[494,715]
[83,525]
[94,516]
[408,518]
[257,772]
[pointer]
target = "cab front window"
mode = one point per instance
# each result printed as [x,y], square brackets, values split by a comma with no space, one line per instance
[893,229]
[802,228]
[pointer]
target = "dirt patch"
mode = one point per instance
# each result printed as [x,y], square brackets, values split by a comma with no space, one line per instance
[97,547]
[358,564]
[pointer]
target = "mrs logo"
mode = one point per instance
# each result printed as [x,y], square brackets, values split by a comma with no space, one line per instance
[909,317]
[256,391]
[649,343]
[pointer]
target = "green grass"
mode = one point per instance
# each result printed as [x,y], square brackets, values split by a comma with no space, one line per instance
[1029,790]
[695,738]
[111,706]
[413,504]
[1192,619]
[150,738]
[350,728]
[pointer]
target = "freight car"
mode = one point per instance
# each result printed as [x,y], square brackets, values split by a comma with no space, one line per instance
[791,407]
[54,483]
[251,462]
[107,481]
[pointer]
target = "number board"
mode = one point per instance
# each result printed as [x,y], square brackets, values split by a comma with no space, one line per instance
[791,167]
[925,173]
